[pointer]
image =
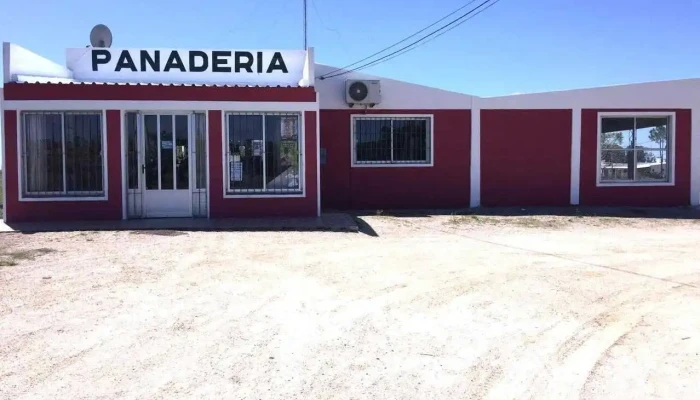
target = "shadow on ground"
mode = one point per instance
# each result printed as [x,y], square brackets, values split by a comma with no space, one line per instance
[343,222]
[617,212]
[365,227]
[334,222]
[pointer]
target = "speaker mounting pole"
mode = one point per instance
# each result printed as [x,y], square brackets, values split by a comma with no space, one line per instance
[306,37]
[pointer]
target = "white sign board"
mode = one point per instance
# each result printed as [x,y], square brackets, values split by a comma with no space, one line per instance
[237,171]
[243,67]
[257,148]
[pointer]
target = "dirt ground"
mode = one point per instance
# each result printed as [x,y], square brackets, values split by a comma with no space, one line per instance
[432,307]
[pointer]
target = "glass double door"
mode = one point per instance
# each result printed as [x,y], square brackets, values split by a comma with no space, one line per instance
[166,165]
[166,151]
[166,159]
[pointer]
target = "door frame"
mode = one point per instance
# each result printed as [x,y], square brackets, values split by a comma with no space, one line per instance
[206,191]
[160,191]
[141,150]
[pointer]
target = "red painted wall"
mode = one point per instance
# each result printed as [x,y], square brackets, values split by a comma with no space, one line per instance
[525,157]
[256,207]
[444,185]
[111,208]
[638,196]
[56,91]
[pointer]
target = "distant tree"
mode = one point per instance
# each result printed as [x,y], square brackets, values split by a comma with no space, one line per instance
[644,156]
[659,135]
[617,154]
[616,157]
[611,140]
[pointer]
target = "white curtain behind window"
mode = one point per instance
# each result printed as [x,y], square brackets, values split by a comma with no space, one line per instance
[36,153]
[43,153]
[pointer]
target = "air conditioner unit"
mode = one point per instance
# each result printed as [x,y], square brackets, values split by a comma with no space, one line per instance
[362,92]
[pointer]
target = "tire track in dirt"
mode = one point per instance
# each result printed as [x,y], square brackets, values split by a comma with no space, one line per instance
[588,338]
[548,350]
[486,372]
[574,360]
[55,368]
[624,298]
[605,355]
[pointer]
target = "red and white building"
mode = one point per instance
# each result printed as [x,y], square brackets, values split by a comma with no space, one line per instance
[131,133]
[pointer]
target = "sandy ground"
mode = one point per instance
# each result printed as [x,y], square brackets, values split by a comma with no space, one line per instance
[431,308]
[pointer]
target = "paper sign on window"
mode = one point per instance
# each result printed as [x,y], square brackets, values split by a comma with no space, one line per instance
[289,125]
[289,155]
[257,148]
[236,171]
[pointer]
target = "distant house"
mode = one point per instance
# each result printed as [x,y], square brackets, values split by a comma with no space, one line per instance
[620,171]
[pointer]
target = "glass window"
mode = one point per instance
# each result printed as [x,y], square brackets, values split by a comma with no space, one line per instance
[635,149]
[132,150]
[200,134]
[264,153]
[373,140]
[391,140]
[150,123]
[182,175]
[410,140]
[62,154]
[282,152]
[166,152]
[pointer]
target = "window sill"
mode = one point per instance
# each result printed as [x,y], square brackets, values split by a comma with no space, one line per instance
[40,199]
[632,184]
[390,165]
[262,195]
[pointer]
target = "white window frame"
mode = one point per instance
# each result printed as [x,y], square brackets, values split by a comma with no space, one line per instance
[373,164]
[21,160]
[246,193]
[670,147]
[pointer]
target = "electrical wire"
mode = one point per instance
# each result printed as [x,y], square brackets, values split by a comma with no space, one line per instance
[404,39]
[324,26]
[431,36]
[379,61]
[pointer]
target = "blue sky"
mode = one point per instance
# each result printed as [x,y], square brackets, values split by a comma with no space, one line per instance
[516,46]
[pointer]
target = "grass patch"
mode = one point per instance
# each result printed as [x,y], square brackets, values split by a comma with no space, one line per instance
[12,258]
[159,232]
[534,221]
[88,235]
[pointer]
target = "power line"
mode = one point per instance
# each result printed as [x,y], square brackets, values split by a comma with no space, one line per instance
[416,43]
[323,24]
[404,39]
[431,34]
[379,61]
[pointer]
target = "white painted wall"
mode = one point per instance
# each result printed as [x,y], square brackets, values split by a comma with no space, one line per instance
[575,156]
[20,61]
[475,167]
[654,95]
[695,155]
[2,155]
[396,95]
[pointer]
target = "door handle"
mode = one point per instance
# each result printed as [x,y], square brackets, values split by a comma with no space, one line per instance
[143,168]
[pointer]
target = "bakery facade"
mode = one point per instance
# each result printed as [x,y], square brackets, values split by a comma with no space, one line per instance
[149,133]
